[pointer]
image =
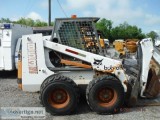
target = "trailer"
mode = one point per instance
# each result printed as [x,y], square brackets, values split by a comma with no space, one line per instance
[9,35]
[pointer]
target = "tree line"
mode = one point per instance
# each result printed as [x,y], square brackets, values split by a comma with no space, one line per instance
[26,21]
[122,31]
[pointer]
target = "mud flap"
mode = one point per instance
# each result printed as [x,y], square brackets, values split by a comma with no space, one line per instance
[153,84]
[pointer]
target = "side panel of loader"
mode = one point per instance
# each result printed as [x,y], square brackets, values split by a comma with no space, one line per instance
[34,70]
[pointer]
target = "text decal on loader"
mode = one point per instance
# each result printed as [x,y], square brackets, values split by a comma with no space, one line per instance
[32,58]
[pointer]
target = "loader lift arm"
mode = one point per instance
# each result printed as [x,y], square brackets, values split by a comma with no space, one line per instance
[98,62]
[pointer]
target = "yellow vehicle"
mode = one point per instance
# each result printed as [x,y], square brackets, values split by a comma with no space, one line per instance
[119,46]
[129,44]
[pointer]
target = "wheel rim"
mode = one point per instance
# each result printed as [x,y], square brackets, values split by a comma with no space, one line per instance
[58,98]
[106,97]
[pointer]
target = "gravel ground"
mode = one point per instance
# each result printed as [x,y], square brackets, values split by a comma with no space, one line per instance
[11,96]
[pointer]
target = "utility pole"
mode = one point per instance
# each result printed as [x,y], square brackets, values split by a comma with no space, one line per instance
[49,12]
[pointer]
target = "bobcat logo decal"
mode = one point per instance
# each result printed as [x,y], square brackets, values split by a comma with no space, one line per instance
[97,62]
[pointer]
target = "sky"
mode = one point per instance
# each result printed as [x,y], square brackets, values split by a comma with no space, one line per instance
[143,13]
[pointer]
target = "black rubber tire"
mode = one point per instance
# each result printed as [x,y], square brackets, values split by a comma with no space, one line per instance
[59,82]
[110,82]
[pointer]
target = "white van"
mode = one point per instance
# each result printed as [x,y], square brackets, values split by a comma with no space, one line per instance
[9,34]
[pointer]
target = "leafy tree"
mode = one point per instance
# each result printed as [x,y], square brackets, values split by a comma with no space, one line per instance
[152,35]
[52,23]
[25,21]
[21,21]
[105,27]
[5,20]
[39,23]
[32,23]
[122,31]
[126,31]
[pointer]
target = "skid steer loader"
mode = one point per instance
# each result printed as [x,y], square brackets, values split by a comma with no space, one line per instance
[58,66]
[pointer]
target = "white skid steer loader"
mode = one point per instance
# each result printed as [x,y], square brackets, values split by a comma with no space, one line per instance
[58,66]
